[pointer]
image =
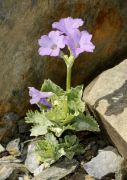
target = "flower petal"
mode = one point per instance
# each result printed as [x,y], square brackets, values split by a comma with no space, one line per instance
[79,42]
[73,23]
[67,25]
[85,42]
[88,47]
[45,41]
[44,51]
[33,91]
[34,100]
[59,25]
[85,37]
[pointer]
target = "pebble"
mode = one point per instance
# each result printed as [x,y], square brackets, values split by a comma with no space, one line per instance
[13,147]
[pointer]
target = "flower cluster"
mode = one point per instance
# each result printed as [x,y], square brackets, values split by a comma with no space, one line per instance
[67,33]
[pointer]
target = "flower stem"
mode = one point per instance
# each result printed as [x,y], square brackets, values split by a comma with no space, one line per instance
[68,78]
[69,61]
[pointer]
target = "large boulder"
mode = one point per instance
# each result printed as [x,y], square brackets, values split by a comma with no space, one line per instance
[106,97]
[23,22]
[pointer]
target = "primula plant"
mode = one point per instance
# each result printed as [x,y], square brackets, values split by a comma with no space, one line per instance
[62,113]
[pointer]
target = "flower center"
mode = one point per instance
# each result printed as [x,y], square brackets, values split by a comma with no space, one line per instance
[54,46]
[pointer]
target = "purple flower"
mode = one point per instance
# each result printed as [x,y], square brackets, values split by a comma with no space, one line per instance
[68,25]
[79,42]
[39,97]
[51,44]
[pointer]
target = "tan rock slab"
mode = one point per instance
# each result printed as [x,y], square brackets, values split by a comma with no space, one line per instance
[106,96]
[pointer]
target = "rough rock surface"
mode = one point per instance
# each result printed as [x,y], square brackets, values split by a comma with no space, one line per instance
[106,97]
[23,22]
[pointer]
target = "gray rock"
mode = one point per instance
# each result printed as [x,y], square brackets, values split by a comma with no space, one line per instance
[25,177]
[31,161]
[13,147]
[11,171]
[58,170]
[2,149]
[5,172]
[10,159]
[107,161]
[20,64]
[106,97]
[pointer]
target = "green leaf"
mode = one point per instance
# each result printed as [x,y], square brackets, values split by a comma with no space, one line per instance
[49,86]
[75,102]
[71,146]
[85,123]
[58,130]
[48,150]
[40,123]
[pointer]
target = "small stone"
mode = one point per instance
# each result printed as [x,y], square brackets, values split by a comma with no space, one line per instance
[2,149]
[39,170]
[31,161]
[20,178]
[24,178]
[107,161]
[58,170]
[87,177]
[5,172]
[13,147]
[10,159]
